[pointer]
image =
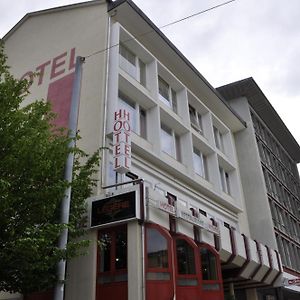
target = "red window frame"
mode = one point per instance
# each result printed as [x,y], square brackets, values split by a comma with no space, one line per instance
[168,238]
[113,272]
[196,259]
[219,279]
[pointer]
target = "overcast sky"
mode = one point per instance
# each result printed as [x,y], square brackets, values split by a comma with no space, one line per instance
[245,38]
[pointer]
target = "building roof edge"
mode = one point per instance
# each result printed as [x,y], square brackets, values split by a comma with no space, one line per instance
[258,101]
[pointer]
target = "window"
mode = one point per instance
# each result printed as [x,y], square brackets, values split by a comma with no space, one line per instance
[199,161]
[196,119]
[113,250]
[185,257]
[132,65]
[170,142]
[166,94]
[157,249]
[105,253]
[137,114]
[209,265]
[225,181]
[121,250]
[218,139]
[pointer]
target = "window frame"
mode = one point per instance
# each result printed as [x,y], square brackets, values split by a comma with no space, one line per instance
[171,99]
[113,271]
[203,163]
[219,138]
[225,180]
[140,114]
[138,71]
[168,237]
[195,119]
[175,142]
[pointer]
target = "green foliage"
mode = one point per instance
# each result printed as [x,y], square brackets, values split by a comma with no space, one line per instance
[32,159]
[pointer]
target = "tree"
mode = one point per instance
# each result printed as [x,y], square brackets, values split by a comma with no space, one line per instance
[33,153]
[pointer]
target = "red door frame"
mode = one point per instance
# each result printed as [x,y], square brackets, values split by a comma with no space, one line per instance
[114,288]
[160,289]
[212,294]
[187,292]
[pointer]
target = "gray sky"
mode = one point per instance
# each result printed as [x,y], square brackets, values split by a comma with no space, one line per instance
[257,38]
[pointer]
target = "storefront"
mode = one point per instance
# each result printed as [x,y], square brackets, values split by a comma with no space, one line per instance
[174,251]
[173,263]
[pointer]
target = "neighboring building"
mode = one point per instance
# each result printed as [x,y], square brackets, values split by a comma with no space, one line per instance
[179,224]
[268,153]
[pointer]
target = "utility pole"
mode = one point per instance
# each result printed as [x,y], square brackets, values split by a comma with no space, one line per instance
[65,205]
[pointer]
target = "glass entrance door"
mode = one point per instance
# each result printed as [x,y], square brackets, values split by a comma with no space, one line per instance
[112,264]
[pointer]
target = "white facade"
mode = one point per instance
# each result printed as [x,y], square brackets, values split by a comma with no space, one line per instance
[185,140]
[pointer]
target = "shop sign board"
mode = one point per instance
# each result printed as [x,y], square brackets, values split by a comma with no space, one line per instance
[187,216]
[114,209]
[122,141]
[163,205]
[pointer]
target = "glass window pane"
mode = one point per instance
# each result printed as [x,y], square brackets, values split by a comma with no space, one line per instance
[209,265]
[142,73]
[198,160]
[125,103]
[167,140]
[127,61]
[157,249]
[193,115]
[104,254]
[127,54]
[178,147]
[174,100]
[185,257]
[143,124]
[121,250]
[163,89]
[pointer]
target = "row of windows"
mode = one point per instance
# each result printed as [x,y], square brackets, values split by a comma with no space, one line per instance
[284,222]
[170,140]
[270,160]
[113,255]
[281,194]
[278,151]
[131,64]
[290,253]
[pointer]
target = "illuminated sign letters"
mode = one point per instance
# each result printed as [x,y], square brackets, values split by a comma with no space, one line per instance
[114,209]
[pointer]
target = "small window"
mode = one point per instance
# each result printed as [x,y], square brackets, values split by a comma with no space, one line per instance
[157,249]
[199,161]
[166,94]
[225,181]
[185,257]
[129,105]
[132,65]
[138,116]
[143,123]
[170,142]
[196,119]
[105,250]
[209,265]
[121,250]
[219,139]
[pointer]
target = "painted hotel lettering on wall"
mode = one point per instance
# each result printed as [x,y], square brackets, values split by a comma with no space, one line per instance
[122,141]
[60,88]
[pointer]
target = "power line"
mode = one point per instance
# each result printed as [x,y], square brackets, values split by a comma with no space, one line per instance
[163,26]
[197,14]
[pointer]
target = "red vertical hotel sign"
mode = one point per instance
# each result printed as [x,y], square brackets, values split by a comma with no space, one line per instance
[122,141]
